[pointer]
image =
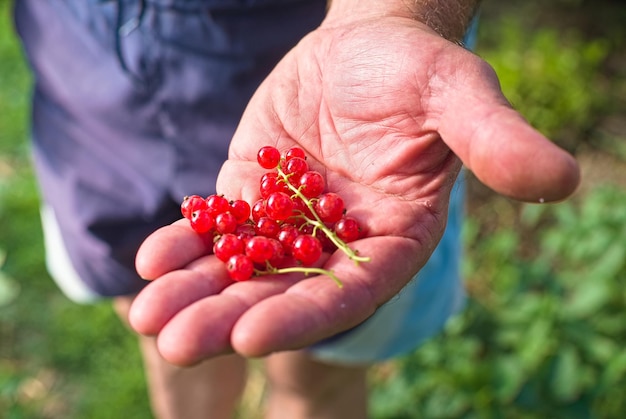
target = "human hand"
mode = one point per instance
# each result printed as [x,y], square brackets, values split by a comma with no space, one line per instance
[388,111]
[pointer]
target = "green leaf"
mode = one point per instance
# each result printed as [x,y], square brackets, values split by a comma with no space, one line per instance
[444,402]
[599,348]
[566,383]
[587,298]
[536,344]
[9,288]
[509,378]
[610,263]
[615,370]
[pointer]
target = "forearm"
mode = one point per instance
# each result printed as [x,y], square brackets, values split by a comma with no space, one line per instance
[449,18]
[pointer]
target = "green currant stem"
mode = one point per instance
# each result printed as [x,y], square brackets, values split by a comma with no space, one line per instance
[303,269]
[352,254]
[319,224]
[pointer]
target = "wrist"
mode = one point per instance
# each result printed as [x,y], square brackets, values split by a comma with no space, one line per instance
[343,10]
[449,18]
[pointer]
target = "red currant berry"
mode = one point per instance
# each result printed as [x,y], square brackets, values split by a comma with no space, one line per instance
[192,203]
[347,229]
[278,206]
[227,246]
[267,227]
[330,207]
[327,243]
[225,223]
[287,235]
[259,249]
[307,249]
[241,210]
[240,267]
[299,211]
[268,157]
[307,229]
[295,168]
[217,204]
[269,175]
[295,152]
[312,184]
[278,254]
[271,183]
[202,221]
[258,210]
[245,231]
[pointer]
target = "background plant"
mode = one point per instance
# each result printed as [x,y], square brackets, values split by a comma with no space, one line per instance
[543,332]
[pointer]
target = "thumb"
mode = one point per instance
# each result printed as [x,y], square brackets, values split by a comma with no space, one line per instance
[499,146]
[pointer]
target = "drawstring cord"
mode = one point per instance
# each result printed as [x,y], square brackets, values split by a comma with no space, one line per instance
[124,29]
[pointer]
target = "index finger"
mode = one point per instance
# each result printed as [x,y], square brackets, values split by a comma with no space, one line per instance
[170,248]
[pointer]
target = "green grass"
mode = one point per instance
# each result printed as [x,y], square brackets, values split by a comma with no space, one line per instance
[544,331]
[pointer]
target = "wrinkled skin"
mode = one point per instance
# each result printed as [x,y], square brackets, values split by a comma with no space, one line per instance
[388,111]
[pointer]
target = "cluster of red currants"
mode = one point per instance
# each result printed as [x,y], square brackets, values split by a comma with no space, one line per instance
[286,230]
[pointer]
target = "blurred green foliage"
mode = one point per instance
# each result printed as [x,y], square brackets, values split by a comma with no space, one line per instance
[550,75]
[544,332]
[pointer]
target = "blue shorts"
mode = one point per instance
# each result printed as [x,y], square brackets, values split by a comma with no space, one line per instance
[135,102]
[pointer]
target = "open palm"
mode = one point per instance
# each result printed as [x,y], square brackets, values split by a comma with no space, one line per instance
[388,111]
